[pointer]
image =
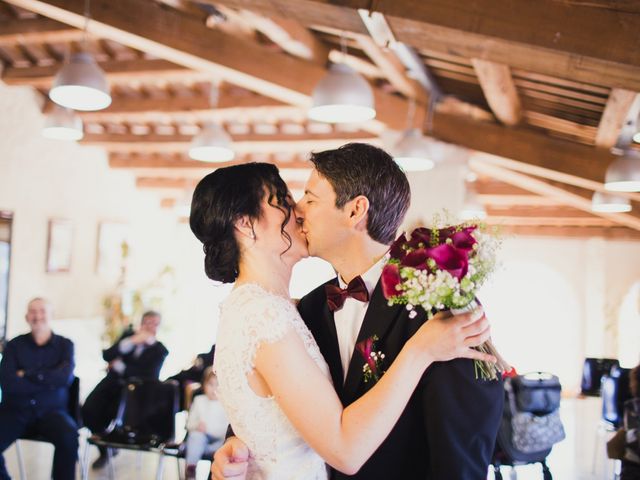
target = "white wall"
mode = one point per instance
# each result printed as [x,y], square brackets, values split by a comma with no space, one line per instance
[42,179]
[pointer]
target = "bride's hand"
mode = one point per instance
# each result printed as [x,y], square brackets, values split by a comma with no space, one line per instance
[445,337]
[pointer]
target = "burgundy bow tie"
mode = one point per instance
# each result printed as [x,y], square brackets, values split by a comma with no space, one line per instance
[336,295]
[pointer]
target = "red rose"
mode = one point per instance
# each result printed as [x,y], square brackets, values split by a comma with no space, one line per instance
[390,279]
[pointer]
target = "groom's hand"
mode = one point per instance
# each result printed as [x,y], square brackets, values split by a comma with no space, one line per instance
[230,460]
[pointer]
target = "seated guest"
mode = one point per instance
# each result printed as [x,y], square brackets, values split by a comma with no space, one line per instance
[207,424]
[35,374]
[134,355]
[193,374]
[630,468]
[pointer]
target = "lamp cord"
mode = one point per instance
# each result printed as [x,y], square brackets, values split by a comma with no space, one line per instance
[87,17]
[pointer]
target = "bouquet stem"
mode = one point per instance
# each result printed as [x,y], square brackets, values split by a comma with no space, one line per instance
[485,370]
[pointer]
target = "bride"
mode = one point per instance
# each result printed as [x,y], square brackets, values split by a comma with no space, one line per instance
[273,381]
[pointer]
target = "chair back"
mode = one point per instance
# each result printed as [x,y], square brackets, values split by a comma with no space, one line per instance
[592,372]
[615,391]
[73,405]
[147,413]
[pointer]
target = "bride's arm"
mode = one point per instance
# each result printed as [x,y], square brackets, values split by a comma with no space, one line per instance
[347,437]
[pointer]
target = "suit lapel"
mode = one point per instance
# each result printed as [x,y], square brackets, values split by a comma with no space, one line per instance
[329,347]
[377,321]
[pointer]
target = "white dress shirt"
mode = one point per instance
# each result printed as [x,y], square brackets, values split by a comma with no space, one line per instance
[350,317]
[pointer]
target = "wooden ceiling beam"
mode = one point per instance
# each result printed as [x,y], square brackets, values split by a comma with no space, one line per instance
[289,35]
[178,38]
[553,221]
[160,140]
[561,43]
[158,113]
[615,113]
[507,201]
[36,30]
[182,161]
[117,71]
[541,187]
[564,233]
[240,147]
[499,90]
[392,68]
[540,211]
[529,152]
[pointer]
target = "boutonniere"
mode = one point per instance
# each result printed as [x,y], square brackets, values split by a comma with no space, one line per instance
[372,368]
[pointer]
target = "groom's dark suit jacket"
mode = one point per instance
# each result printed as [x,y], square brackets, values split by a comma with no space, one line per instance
[447,431]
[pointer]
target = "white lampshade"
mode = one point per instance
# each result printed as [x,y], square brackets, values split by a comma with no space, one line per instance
[212,144]
[623,175]
[636,137]
[342,96]
[413,151]
[608,203]
[81,85]
[62,124]
[472,209]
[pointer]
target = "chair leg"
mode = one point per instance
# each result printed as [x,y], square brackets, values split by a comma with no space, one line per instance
[160,466]
[180,471]
[112,468]
[85,461]
[23,475]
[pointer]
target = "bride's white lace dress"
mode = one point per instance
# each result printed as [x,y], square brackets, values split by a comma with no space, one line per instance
[248,317]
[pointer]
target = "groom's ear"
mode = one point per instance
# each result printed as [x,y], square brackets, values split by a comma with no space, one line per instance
[358,209]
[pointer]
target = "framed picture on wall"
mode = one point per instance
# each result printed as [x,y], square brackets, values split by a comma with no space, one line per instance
[113,243]
[59,245]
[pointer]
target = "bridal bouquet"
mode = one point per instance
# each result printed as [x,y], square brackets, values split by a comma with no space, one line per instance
[443,268]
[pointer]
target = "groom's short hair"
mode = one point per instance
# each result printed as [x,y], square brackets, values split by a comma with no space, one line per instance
[362,169]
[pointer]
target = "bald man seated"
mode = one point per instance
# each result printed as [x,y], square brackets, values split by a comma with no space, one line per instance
[35,374]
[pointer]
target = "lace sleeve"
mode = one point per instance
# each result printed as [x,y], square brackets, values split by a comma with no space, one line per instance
[264,320]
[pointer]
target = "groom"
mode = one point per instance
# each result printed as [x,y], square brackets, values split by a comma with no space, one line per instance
[354,203]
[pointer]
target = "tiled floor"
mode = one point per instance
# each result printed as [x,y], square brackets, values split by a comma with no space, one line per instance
[581,456]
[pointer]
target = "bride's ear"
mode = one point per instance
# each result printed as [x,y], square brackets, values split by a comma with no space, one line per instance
[244,227]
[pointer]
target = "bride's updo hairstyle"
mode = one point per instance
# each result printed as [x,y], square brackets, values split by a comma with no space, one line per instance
[224,196]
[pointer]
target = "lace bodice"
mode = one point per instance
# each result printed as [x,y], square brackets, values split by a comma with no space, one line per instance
[249,317]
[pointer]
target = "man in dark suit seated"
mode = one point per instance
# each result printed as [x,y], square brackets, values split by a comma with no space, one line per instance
[134,355]
[35,374]
[193,374]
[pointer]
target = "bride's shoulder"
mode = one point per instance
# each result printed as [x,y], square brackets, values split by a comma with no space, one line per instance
[250,297]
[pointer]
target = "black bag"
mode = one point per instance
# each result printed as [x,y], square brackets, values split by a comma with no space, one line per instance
[534,401]
[592,372]
[537,393]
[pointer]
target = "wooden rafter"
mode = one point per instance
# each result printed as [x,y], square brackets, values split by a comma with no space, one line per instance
[117,71]
[289,35]
[183,163]
[499,90]
[160,141]
[609,233]
[529,152]
[240,147]
[541,187]
[496,30]
[247,114]
[615,113]
[36,30]
[392,68]
[180,39]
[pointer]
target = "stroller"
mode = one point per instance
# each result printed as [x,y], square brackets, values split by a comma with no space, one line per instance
[530,423]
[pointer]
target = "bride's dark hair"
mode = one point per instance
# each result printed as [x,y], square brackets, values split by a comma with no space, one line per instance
[220,199]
